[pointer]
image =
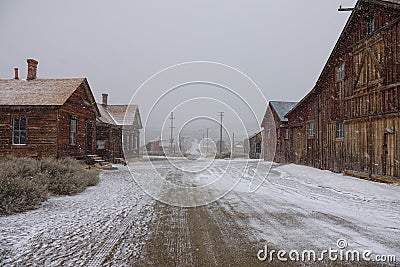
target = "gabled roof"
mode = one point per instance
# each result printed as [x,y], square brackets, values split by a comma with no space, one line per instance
[120,114]
[254,135]
[391,3]
[38,92]
[42,92]
[282,108]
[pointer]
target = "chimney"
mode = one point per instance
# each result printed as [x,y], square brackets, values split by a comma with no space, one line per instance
[16,74]
[32,69]
[105,98]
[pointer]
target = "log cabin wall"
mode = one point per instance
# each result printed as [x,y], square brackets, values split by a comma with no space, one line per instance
[79,107]
[41,132]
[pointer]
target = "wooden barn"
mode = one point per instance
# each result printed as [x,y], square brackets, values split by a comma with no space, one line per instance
[46,117]
[256,145]
[276,131]
[350,121]
[118,131]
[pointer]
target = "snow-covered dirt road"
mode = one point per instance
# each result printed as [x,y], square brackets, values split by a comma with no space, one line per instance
[117,224]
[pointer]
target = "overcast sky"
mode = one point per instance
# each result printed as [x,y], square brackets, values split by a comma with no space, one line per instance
[282,45]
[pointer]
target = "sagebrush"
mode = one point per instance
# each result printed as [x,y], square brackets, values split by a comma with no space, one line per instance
[26,182]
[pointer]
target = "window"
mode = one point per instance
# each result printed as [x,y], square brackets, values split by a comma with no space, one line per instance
[73,130]
[258,148]
[100,144]
[19,131]
[311,129]
[370,25]
[340,130]
[340,73]
[286,133]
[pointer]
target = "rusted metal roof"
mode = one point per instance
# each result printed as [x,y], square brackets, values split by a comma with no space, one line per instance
[38,92]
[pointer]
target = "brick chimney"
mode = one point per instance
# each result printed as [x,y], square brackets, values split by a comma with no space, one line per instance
[105,99]
[16,74]
[32,69]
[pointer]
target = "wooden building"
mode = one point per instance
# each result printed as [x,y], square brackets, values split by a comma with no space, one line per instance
[46,117]
[276,131]
[256,145]
[118,131]
[350,120]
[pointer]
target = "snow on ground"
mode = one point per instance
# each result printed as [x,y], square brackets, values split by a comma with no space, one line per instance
[80,229]
[306,208]
[116,223]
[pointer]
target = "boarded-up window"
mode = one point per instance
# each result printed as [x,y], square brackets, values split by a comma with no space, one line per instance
[19,131]
[73,130]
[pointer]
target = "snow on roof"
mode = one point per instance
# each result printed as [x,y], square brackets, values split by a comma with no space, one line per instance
[392,1]
[282,108]
[115,114]
[38,92]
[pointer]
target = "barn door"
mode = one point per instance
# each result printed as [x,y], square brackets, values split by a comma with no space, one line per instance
[389,151]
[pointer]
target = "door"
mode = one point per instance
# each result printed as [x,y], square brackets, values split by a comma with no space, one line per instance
[89,136]
[389,153]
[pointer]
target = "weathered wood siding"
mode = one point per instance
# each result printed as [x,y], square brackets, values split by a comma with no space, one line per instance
[41,132]
[77,105]
[366,100]
[112,137]
[253,141]
[269,135]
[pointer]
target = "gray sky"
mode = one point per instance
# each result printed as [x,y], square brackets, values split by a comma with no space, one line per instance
[282,45]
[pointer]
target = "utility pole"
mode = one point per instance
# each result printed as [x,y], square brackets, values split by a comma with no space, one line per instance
[171,139]
[221,114]
[233,146]
[207,140]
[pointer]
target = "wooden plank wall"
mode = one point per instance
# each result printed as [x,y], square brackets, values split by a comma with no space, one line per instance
[77,104]
[41,132]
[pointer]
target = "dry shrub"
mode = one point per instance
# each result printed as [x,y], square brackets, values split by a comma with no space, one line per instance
[26,182]
[22,185]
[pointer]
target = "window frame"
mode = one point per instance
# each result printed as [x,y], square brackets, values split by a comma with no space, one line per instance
[19,131]
[102,146]
[310,130]
[340,131]
[286,133]
[340,72]
[370,25]
[258,148]
[73,130]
